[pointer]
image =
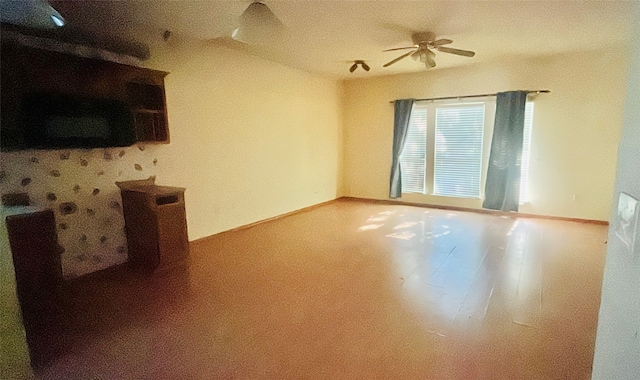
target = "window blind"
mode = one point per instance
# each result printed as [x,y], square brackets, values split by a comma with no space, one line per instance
[526,153]
[458,150]
[413,160]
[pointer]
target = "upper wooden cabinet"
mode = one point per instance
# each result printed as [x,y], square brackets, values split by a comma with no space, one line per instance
[28,70]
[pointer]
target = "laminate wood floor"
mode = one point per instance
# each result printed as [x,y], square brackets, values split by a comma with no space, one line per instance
[351,290]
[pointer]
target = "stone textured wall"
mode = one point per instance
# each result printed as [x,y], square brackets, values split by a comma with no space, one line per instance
[79,185]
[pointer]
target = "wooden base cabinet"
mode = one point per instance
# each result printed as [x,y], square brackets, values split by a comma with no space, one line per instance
[156,225]
[38,274]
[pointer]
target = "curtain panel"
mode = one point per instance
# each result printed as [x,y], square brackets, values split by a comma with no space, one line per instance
[502,189]
[402,115]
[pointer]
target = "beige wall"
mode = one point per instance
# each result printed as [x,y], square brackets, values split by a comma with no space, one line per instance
[575,132]
[250,139]
[618,341]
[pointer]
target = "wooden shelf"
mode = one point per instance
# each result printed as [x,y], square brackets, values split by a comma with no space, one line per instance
[146,95]
[150,125]
[147,102]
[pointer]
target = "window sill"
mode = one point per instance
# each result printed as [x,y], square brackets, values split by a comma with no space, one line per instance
[457,197]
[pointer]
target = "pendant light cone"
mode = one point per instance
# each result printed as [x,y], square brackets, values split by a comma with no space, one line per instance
[31,13]
[258,25]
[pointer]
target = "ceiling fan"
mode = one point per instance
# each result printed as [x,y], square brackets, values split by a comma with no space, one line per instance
[423,46]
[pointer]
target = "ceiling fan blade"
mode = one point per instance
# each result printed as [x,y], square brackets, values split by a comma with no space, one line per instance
[440,42]
[397,59]
[465,53]
[353,67]
[402,48]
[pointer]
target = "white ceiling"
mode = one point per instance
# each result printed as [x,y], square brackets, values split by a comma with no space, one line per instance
[324,37]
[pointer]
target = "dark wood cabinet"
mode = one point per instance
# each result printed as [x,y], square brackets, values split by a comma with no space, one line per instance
[156,225]
[36,260]
[27,70]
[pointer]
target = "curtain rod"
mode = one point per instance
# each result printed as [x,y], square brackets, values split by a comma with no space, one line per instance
[474,96]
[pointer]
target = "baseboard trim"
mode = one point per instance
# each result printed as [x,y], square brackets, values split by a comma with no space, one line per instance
[246,226]
[402,203]
[480,211]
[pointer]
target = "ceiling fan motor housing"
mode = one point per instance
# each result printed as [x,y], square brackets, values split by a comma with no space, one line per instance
[420,38]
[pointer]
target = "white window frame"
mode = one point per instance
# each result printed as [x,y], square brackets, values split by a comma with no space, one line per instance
[525,163]
[431,108]
[489,115]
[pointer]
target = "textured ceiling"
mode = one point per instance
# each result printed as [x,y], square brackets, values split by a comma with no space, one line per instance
[324,37]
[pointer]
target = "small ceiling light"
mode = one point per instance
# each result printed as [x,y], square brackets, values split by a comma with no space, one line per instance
[430,59]
[361,63]
[58,20]
[258,25]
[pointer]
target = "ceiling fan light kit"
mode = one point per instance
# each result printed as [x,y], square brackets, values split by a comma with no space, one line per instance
[425,56]
[258,25]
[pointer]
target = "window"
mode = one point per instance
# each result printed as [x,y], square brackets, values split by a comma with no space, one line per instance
[413,160]
[458,150]
[526,152]
[447,141]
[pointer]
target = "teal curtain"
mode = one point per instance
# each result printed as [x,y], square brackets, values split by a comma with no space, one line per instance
[402,114]
[502,189]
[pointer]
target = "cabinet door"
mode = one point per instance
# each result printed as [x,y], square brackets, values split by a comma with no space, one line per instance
[173,242]
[36,258]
[142,230]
